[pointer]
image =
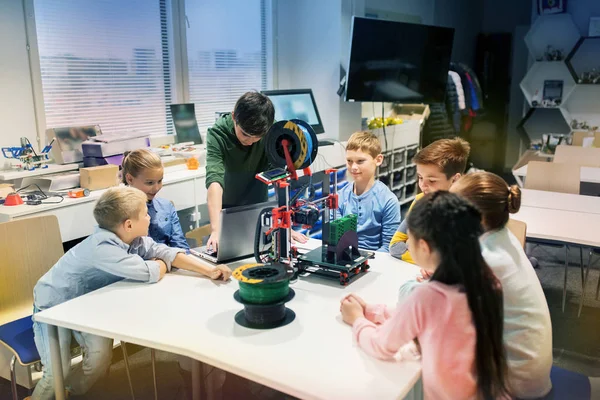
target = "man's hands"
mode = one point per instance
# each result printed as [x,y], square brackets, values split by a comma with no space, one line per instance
[213,241]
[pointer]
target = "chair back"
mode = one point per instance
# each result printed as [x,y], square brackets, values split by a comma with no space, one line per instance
[29,248]
[519,229]
[553,177]
[199,234]
[584,156]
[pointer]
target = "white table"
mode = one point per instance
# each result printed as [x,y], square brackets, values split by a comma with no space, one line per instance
[185,188]
[560,201]
[314,357]
[563,226]
[588,174]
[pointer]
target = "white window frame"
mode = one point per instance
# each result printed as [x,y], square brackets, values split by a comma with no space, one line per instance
[179,61]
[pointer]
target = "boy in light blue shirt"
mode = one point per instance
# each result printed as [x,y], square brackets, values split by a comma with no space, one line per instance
[118,249]
[373,202]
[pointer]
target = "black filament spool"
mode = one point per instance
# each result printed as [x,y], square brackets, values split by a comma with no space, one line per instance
[264,316]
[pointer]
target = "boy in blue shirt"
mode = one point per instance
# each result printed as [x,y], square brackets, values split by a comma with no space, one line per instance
[373,202]
[118,249]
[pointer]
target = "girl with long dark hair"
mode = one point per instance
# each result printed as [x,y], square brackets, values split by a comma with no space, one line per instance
[456,316]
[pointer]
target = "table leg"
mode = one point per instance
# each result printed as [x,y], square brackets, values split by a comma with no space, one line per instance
[564,298]
[587,272]
[196,380]
[55,359]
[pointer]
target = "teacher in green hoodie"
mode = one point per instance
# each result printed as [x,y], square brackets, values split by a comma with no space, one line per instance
[235,153]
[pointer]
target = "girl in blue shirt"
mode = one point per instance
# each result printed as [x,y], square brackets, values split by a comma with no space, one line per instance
[143,170]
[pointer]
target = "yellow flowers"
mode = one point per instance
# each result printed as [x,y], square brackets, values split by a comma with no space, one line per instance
[379,122]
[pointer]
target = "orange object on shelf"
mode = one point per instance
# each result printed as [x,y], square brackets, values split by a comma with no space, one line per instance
[76,193]
[192,163]
[13,199]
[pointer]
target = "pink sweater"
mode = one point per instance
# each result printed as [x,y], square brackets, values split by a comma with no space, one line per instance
[440,317]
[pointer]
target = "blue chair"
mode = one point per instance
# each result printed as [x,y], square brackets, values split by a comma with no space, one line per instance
[17,336]
[30,246]
[569,385]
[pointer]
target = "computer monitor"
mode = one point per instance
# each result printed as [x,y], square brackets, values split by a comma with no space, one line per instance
[296,104]
[186,126]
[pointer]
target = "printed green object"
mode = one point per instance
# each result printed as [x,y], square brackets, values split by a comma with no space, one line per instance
[340,226]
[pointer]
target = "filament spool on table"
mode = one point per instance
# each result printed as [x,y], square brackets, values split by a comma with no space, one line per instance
[302,143]
[264,290]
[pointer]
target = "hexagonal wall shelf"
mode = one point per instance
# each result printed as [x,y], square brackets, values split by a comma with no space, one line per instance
[542,71]
[583,59]
[539,121]
[558,31]
[584,104]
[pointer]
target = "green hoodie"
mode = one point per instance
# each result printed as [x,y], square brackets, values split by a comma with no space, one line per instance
[234,166]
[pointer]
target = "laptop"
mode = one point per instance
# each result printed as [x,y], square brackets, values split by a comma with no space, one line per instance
[238,229]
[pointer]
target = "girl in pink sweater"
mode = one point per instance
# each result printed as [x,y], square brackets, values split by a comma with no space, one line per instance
[456,317]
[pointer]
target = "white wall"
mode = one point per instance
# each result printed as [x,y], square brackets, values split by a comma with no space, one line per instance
[17,116]
[311,45]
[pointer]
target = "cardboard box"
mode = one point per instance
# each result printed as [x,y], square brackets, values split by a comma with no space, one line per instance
[410,111]
[95,178]
[592,138]
[531,155]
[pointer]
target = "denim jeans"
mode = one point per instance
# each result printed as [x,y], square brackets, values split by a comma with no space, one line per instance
[97,354]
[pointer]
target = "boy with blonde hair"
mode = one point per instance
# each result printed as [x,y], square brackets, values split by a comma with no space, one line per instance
[373,202]
[118,249]
[439,165]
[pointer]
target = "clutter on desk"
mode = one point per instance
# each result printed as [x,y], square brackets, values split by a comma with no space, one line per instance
[68,142]
[54,182]
[24,157]
[77,193]
[13,199]
[109,149]
[102,177]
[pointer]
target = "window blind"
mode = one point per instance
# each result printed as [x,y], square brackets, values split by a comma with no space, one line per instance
[105,62]
[226,51]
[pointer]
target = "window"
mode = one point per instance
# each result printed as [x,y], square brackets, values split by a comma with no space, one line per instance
[105,62]
[226,52]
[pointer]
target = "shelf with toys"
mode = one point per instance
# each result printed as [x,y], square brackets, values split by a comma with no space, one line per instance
[547,84]
[561,85]
[552,37]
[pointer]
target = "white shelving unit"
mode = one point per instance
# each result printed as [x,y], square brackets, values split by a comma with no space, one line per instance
[580,101]
[546,70]
[398,171]
[558,31]
[584,104]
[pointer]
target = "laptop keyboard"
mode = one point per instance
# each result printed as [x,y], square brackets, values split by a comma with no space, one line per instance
[212,253]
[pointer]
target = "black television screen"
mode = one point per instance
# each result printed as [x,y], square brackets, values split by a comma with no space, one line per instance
[398,62]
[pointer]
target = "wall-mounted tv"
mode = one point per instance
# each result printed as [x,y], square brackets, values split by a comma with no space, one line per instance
[398,62]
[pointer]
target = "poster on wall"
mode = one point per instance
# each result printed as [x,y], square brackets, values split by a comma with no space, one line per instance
[551,6]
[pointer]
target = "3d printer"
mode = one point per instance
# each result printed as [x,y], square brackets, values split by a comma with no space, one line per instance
[291,146]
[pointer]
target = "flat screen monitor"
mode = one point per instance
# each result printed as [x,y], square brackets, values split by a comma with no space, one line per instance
[296,104]
[398,62]
[186,126]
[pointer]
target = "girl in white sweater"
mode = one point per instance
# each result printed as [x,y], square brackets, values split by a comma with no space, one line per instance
[527,326]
